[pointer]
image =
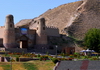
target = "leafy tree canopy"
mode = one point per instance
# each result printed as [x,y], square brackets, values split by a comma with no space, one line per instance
[92,39]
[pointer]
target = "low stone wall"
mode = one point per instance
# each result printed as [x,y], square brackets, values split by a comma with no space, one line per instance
[16,50]
[27,59]
[4,59]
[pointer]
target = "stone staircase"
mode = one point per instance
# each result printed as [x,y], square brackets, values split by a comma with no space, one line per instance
[94,65]
[84,65]
[78,65]
[71,65]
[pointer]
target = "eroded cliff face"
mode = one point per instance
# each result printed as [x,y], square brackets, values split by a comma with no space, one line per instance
[73,18]
[88,5]
[85,18]
[57,17]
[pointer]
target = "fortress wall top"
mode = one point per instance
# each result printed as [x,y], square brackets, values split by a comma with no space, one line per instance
[52,31]
[51,27]
[1,32]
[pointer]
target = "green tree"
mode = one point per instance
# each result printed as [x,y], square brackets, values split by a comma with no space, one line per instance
[92,39]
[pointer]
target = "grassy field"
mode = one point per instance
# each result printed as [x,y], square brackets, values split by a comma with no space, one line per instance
[31,65]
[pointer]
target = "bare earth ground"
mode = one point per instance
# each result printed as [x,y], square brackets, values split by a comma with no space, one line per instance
[18,66]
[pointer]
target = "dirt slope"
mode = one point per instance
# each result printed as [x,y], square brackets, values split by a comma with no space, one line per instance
[57,17]
[73,18]
[86,17]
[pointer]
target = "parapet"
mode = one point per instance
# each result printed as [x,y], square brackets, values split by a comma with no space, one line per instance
[9,16]
[52,27]
[52,31]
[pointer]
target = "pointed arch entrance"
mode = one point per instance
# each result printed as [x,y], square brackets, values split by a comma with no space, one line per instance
[23,41]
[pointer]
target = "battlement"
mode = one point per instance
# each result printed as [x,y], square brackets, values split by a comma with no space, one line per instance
[52,27]
[52,31]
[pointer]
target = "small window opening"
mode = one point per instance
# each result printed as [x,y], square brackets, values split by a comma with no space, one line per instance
[51,47]
[10,25]
[34,21]
[43,28]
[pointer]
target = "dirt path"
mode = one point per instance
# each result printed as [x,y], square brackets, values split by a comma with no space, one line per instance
[1,68]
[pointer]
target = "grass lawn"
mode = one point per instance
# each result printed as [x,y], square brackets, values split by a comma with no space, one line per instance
[4,66]
[31,65]
[44,65]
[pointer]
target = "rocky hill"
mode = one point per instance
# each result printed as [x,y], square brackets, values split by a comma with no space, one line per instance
[73,18]
[86,17]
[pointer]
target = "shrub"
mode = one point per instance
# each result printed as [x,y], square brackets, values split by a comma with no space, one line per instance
[6,54]
[38,55]
[62,54]
[55,60]
[17,58]
[18,53]
[94,58]
[46,56]
[62,59]
[92,39]
[33,55]
[13,60]
[40,58]
[50,57]
[43,58]
[70,59]
[85,57]
[71,56]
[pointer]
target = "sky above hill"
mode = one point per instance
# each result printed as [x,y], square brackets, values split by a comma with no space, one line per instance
[27,9]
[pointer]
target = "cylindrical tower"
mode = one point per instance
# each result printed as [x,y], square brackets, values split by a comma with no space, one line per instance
[41,38]
[9,33]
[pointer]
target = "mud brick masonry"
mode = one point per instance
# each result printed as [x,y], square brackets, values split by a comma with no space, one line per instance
[23,37]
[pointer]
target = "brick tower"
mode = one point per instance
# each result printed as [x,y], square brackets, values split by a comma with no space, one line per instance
[9,33]
[41,38]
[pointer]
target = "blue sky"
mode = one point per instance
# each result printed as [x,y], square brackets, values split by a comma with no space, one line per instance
[27,9]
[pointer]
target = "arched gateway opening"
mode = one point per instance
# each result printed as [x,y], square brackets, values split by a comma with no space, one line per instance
[23,42]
